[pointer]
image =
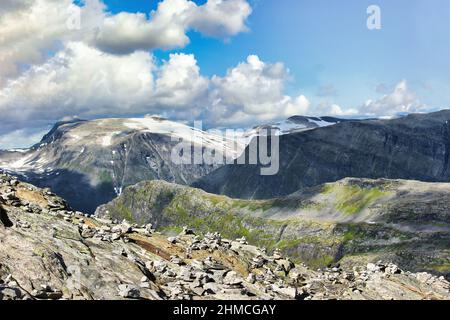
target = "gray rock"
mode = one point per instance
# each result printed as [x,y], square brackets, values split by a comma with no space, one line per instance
[232,278]
[129,291]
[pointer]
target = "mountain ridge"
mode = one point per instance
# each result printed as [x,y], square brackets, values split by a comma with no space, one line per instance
[415,147]
[349,221]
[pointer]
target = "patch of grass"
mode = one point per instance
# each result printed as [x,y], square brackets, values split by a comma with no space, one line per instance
[311,206]
[171,230]
[321,261]
[254,205]
[288,243]
[441,265]
[232,225]
[124,212]
[348,236]
[353,199]
[327,188]
[441,268]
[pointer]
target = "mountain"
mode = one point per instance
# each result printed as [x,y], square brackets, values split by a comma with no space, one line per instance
[90,162]
[49,252]
[414,147]
[296,124]
[351,222]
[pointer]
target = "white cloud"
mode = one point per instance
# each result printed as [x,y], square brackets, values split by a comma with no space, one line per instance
[127,32]
[30,29]
[220,18]
[27,29]
[79,80]
[400,100]
[179,82]
[167,26]
[254,90]
[332,109]
[393,102]
[85,82]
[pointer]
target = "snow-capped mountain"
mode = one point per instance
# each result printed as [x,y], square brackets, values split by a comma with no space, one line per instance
[90,162]
[293,125]
[415,147]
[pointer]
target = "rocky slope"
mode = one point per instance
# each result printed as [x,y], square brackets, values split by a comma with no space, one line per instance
[90,162]
[415,147]
[48,251]
[352,221]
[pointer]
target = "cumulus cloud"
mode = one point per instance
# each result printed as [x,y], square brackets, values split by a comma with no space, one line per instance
[393,102]
[219,18]
[400,100]
[180,84]
[60,59]
[254,90]
[79,80]
[333,109]
[30,29]
[86,82]
[167,26]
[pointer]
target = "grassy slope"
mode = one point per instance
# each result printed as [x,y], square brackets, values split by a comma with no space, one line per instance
[314,242]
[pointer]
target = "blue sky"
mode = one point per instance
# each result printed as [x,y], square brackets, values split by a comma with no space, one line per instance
[326,43]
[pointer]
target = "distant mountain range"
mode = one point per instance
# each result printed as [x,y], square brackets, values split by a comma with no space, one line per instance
[298,124]
[343,193]
[415,147]
[90,162]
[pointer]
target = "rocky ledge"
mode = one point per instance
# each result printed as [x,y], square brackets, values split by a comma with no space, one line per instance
[48,251]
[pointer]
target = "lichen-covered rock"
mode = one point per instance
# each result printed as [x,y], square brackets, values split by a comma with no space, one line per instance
[54,258]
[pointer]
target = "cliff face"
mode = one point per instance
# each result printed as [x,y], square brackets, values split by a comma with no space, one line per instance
[350,221]
[48,251]
[416,147]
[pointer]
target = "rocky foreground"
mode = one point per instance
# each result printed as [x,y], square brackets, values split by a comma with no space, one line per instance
[48,251]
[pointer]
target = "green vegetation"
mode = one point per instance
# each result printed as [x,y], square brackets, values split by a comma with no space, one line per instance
[353,199]
[106,177]
[231,225]
[321,261]
[124,212]
[175,207]
[315,243]
[440,265]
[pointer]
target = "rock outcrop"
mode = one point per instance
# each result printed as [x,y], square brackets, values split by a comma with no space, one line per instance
[48,251]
